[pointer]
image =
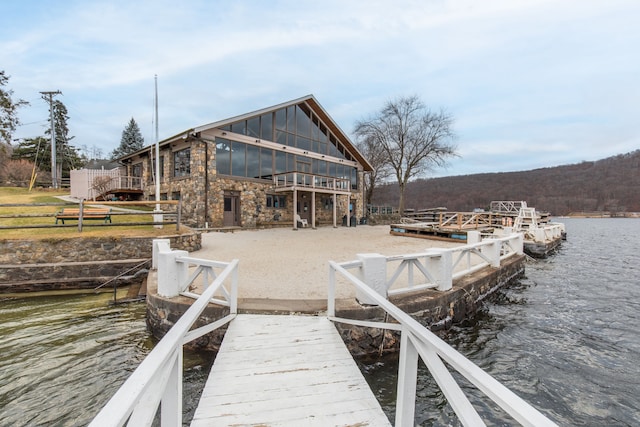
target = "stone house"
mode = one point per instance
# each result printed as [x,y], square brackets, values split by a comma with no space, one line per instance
[289,164]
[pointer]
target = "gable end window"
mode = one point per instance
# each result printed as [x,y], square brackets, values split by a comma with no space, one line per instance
[182,162]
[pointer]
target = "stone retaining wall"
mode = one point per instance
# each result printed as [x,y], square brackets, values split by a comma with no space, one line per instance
[163,313]
[434,309]
[77,263]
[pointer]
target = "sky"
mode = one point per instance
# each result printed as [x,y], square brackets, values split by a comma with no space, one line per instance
[529,83]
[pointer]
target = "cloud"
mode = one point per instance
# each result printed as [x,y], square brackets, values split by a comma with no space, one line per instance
[529,82]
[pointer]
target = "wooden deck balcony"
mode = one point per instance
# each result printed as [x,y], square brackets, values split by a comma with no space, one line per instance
[290,181]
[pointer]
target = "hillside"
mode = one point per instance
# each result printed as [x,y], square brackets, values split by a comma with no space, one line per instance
[611,184]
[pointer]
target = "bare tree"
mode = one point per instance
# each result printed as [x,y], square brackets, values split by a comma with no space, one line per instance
[102,185]
[414,139]
[379,160]
[16,172]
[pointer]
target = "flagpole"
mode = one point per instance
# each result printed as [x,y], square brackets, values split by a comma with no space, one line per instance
[158,217]
[157,147]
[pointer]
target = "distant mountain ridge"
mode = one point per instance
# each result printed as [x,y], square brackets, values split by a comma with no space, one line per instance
[607,185]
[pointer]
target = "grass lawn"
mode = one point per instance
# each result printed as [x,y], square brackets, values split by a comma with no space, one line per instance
[44,215]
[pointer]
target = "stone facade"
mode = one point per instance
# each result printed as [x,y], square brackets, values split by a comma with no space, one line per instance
[202,193]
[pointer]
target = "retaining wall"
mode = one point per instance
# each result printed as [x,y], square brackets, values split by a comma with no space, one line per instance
[435,309]
[28,265]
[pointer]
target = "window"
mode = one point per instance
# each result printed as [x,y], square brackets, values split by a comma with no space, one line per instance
[266,163]
[239,127]
[253,161]
[354,178]
[136,170]
[238,159]
[266,126]
[182,162]
[223,156]
[278,202]
[253,127]
[175,195]
[327,203]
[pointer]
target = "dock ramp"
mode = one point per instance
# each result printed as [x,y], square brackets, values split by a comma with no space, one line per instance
[286,370]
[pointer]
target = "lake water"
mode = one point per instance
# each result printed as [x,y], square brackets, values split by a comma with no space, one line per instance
[565,339]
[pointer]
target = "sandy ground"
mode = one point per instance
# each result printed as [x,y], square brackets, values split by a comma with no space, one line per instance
[286,264]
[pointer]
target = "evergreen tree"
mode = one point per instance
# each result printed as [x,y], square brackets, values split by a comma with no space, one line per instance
[38,150]
[8,109]
[130,142]
[67,156]
[35,150]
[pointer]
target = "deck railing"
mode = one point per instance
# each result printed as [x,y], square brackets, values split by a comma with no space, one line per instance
[301,179]
[158,379]
[419,342]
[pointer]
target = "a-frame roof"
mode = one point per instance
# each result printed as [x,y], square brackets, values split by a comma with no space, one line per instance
[310,100]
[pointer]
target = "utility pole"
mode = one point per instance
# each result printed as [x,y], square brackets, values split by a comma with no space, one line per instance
[54,170]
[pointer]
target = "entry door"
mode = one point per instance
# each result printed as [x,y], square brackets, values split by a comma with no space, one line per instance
[231,210]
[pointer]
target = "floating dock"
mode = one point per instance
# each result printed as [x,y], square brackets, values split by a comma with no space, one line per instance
[541,237]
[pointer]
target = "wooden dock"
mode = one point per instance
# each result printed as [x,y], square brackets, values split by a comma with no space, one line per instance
[286,370]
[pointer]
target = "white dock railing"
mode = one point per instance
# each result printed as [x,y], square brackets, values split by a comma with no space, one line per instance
[419,342]
[158,379]
[434,268]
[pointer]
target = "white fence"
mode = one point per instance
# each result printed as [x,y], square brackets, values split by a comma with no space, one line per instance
[432,269]
[419,342]
[158,379]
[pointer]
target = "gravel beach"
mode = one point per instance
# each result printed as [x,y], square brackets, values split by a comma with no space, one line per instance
[281,263]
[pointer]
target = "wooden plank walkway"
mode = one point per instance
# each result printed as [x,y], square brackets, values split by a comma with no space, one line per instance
[286,371]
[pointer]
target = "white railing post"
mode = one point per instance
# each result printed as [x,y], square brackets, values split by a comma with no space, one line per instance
[171,407]
[373,272]
[331,292]
[491,249]
[440,264]
[538,235]
[159,245]
[407,380]
[518,243]
[473,236]
[171,273]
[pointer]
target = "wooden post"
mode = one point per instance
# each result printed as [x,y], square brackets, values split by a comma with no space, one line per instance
[80,212]
[179,215]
